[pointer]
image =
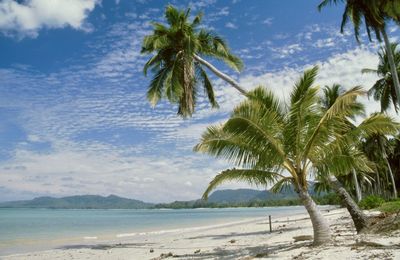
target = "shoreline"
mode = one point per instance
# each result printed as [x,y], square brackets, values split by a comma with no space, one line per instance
[29,244]
[246,239]
[158,240]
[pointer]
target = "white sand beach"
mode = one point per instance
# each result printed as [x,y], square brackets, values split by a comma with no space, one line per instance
[247,239]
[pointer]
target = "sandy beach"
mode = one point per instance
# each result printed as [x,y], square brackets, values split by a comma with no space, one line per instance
[246,239]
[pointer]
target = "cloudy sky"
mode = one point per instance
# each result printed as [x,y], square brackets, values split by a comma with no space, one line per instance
[73,113]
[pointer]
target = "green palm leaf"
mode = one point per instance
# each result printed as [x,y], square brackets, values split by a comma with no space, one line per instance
[256,177]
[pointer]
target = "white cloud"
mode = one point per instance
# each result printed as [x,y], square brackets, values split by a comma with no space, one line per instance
[33,138]
[231,25]
[27,18]
[68,170]
[95,167]
[268,21]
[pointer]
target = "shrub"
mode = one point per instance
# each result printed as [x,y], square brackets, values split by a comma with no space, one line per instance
[371,202]
[390,207]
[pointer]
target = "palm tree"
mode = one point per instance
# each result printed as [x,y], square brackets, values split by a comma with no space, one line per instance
[375,14]
[383,90]
[177,64]
[330,94]
[356,134]
[329,97]
[392,9]
[378,145]
[283,145]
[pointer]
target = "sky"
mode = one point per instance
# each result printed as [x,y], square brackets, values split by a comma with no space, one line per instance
[74,118]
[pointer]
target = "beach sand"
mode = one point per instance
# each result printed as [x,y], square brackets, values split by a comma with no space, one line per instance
[248,239]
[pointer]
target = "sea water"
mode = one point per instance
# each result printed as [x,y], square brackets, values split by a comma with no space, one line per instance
[23,230]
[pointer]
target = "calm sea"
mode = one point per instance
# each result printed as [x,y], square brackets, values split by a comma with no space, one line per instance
[23,230]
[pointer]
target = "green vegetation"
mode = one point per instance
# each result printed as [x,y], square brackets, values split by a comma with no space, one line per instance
[252,198]
[177,65]
[375,14]
[279,144]
[390,207]
[327,199]
[266,137]
[371,202]
[384,90]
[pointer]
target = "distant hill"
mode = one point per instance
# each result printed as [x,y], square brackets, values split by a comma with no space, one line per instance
[79,202]
[219,198]
[245,195]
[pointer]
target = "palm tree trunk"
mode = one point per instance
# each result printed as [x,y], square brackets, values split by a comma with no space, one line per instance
[322,233]
[393,68]
[378,183]
[391,178]
[357,186]
[359,218]
[220,74]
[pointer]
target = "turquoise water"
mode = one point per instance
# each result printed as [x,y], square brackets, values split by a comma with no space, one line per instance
[23,230]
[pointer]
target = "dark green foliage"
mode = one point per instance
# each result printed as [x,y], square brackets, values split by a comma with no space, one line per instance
[328,199]
[371,202]
[359,12]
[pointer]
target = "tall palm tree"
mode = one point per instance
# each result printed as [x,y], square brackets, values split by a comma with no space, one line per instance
[178,65]
[282,145]
[378,145]
[375,14]
[384,90]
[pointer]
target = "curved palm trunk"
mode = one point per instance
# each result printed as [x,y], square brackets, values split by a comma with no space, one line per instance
[322,233]
[393,68]
[220,74]
[391,178]
[357,186]
[359,218]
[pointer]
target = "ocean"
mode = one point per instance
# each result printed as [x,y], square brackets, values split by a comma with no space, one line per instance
[25,230]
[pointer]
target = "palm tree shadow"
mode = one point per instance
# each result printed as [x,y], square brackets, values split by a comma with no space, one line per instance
[106,246]
[234,234]
[252,251]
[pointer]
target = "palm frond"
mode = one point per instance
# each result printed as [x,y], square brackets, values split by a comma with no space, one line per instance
[154,93]
[208,88]
[303,84]
[282,185]
[255,177]
[325,3]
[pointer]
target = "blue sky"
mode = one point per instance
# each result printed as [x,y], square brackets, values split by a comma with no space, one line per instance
[73,113]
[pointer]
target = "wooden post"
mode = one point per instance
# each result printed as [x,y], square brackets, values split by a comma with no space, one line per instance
[270,224]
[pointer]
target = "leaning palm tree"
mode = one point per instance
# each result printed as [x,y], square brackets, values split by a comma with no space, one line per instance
[384,90]
[375,14]
[355,134]
[178,64]
[284,145]
[330,94]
